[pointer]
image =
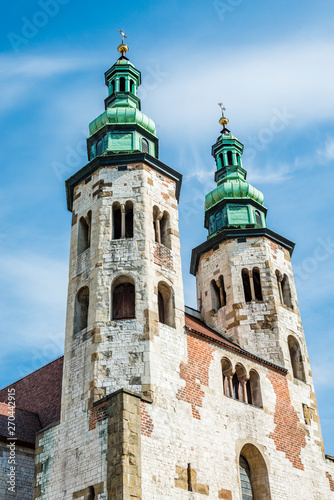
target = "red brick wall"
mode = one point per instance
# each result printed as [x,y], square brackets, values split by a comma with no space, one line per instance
[146,421]
[97,414]
[288,436]
[200,355]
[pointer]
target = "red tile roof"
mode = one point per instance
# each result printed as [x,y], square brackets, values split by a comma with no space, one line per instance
[39,392]
[196,326]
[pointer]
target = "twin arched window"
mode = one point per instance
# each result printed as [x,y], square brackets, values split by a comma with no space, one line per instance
[238,384]
[161,224]
[218,294]
[251,281]
[284,289]
[122,220]
[84,232]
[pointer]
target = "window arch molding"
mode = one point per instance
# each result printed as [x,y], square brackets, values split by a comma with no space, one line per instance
[240,383]
[259,479]
[123,298]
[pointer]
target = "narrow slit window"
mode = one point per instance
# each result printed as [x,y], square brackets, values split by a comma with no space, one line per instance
[296,358]
[257,284]
[129,219]
[166,304]
[81,307]
[84,232]
[246,285]
[117,221]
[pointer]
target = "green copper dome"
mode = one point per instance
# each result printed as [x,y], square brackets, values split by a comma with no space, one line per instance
[234,189]
[122,115]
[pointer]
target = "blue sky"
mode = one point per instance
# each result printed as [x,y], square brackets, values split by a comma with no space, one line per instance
[271,63]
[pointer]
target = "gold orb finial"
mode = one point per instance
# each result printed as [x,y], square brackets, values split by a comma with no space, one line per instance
[123,48]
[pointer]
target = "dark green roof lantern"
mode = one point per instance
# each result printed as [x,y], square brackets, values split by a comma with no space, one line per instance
[234,203]
[122,127]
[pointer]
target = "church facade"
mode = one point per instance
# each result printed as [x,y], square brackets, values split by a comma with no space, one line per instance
[152,399]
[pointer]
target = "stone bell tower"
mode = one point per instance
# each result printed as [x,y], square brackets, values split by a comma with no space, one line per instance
[245,284]
[125,286]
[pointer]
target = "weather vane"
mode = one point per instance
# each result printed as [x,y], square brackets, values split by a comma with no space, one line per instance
[221,105]
[223,120]
[122,32]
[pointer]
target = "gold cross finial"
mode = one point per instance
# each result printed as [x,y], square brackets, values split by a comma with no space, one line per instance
[122,48]
[223,120]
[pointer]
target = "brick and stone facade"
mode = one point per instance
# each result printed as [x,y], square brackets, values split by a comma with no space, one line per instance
[159,401]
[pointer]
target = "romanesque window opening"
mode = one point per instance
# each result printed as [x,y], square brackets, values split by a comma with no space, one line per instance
[286,292]
[123,299]
[122,220]
[117,221]
[253,474]
[81,307]
[245,479]
[144,146]
[296,358]
[229,158]
[122,84]
[166,304]
[84,232]
[129,219]
[246,285]
[237,384]
[215,296]
[258,219]
[91,493]
[257,284]
[161,224]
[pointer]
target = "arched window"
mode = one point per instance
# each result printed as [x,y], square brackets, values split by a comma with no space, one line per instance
[161,224]
[215,296]
[91,493]
[166,304]
[221,156]
[129,219]
[246,285]
[286,292]
[229,158]
[81,307]
[123,299]
[227,377]
[235,387]
[84,232]
[122,84]
[257,284]
[144,146]
[258,219]
[253,474]
[245,479]
[241,375]
[132,87]
[117,221]
[296,358]
[254,396]
[112,86]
